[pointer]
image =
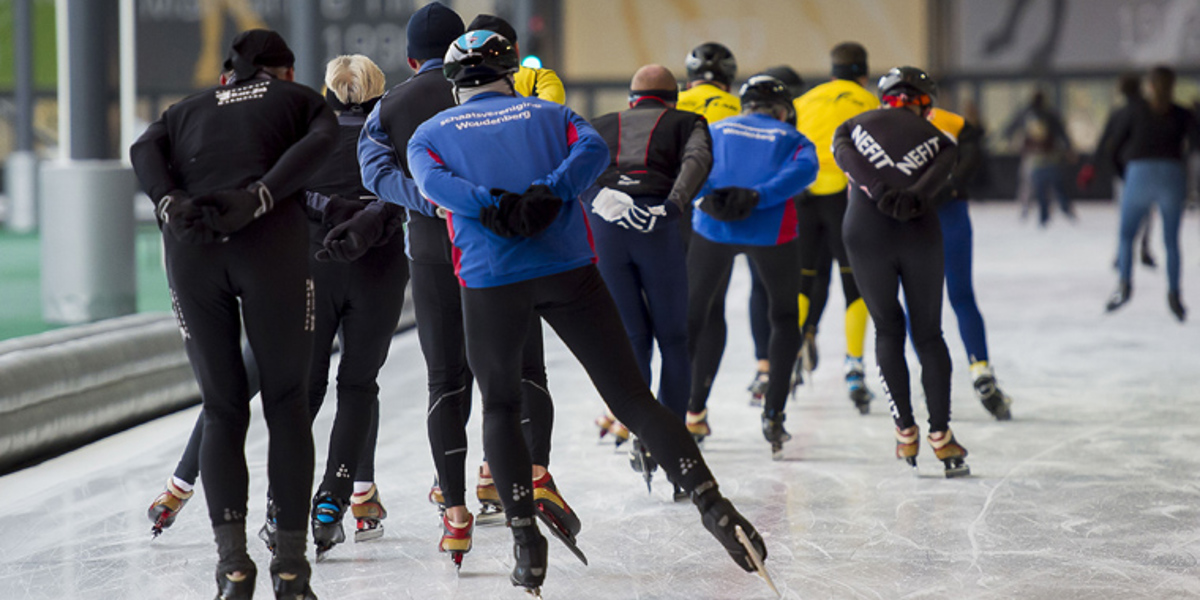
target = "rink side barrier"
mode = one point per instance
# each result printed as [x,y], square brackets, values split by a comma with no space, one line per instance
[65,388]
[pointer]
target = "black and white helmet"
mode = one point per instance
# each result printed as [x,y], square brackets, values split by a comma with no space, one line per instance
[907,85]
[711,62]
[764,91]
[479,57]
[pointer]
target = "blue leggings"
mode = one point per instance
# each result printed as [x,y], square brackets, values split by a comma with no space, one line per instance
[957,242]
[646,273]
[1149,182]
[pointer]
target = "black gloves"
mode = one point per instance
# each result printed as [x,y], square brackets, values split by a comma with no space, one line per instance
[350,241]
[497,217]
[227,211]
[537,209]
[730,203]
[902,205]
[338,210]
[178,214]
[525,215]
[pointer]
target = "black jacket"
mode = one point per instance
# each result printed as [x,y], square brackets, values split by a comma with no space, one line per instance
[893,148]
[228,137]
[657,152]
[404,108]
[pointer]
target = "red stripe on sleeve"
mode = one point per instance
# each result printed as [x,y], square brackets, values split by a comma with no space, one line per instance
[788,226]
[435,157]
[794,154]
[572,134]
[455,252]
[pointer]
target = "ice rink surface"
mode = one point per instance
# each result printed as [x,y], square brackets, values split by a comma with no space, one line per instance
[1090,491]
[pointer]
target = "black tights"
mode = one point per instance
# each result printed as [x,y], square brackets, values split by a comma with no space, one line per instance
[581,311]
[888,256]
[709,268]
[437,302]
[265,266]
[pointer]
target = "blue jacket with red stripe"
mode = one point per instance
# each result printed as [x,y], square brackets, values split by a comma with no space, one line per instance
[496,141]
[768,156]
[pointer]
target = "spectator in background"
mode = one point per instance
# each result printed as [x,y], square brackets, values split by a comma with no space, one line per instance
[1129,85]
[1045,147]
[1153,141]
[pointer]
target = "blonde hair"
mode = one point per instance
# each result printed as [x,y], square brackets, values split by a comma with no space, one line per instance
[354,79]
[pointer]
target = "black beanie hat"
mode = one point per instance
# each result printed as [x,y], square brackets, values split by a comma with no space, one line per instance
[849,60]
[431,30]
[256,48]
[494,23]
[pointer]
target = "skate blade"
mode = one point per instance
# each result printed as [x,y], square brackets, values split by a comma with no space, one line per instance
[323,552]
[489,516]
[776,451]
[959,470]
[534,592]
[562,536]
[366,535]
[759,567]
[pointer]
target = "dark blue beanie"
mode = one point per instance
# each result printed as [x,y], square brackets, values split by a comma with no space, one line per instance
[431,30]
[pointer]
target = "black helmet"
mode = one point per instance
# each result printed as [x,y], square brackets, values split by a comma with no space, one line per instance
[789,77]
[764,90]
[907,85]
[767,92]
[479,57]
[711,62]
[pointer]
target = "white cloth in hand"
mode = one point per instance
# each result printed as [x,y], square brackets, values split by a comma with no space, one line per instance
[618,208]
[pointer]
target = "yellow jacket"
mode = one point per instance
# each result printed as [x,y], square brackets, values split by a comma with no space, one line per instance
[710,102]
[818,113]
[542,83]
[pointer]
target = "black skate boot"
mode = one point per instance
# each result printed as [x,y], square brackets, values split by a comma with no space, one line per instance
[641,461]
[856,385]
[290,571]
[951,453]
[1177,307]
[235,570]
[743,543]
[758,388]
[990,395]
[680,494]
[166,507]
[327,529]
[773,431]
[529,555]
[1119,297]
[269,529]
